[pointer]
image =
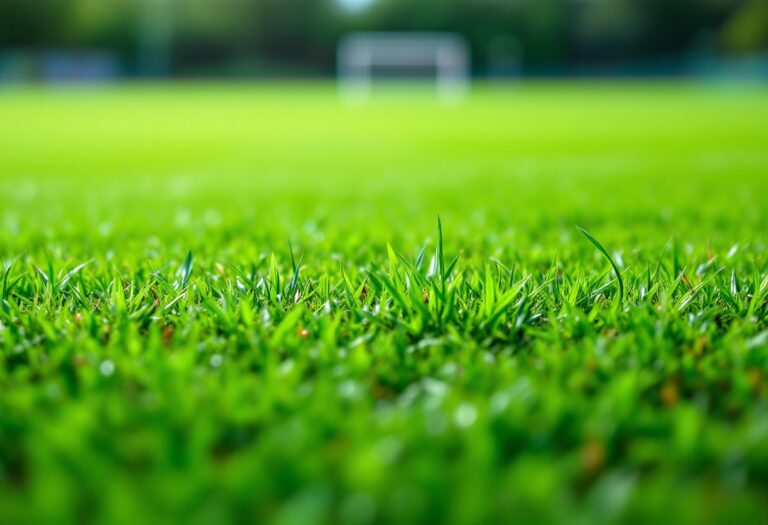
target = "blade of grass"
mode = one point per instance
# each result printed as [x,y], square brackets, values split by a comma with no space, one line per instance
[605,253]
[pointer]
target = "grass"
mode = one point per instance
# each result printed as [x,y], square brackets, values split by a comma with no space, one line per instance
[231,302]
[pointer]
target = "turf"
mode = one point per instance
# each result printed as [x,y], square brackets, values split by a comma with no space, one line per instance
[237,302]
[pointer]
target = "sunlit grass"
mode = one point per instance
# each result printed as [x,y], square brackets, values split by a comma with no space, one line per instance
[222,302]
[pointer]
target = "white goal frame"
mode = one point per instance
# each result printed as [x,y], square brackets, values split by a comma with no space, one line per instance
[358,53]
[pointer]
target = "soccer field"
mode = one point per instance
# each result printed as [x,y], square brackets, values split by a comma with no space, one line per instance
[233,301]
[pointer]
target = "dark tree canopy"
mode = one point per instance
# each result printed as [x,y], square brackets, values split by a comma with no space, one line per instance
[276,36]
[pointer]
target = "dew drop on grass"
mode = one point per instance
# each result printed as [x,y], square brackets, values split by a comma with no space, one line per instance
[216,360]
[286,367]
[449,369]
[107,368]
[265,316]
[499,402]
[349,389]
[465,415]
[435,388]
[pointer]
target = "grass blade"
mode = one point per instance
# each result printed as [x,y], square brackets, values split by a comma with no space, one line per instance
[605,253]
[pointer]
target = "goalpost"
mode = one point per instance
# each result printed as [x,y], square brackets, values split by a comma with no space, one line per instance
[359,54]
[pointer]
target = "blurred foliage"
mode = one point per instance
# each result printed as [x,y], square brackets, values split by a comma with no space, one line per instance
[227,34]
[749,28]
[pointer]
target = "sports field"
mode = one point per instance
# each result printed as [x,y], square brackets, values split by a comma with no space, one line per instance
[236,302]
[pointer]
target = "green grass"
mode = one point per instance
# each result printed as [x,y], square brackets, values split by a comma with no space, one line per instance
[237,302]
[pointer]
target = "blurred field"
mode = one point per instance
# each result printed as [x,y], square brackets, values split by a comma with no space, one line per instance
[572,151]
[199,367]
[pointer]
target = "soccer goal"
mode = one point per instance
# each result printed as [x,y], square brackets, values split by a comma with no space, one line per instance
[361,57]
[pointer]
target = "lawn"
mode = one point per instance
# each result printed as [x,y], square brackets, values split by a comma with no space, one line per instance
[237,303]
